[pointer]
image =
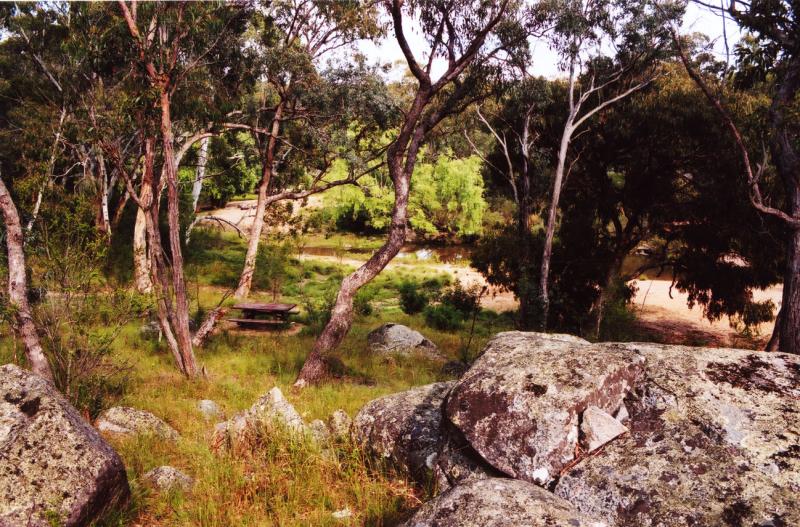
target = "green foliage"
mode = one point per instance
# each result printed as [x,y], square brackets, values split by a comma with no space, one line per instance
[444,317]
[456,305]
[446,199]
[413,299]
[80,318]
[274,265]
[362,303]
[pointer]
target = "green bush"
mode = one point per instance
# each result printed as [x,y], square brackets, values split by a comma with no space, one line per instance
[444,317]
[413,299]
[466,300]
[362,303]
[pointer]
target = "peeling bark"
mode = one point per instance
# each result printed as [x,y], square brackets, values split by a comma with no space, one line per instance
[24,325]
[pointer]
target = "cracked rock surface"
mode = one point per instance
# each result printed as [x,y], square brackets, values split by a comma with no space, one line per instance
[520,403]
[714,440]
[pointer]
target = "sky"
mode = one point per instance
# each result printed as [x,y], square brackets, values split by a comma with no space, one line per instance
[698,19]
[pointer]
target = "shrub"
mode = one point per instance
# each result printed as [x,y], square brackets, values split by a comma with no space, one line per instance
[413,299]
[462,299]
[444,317]
[362,303]
[318,311]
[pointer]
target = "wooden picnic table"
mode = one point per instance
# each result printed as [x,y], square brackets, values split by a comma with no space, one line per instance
[256,314]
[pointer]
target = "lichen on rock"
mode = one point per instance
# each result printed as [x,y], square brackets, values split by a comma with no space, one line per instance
[519,405]
[54,467]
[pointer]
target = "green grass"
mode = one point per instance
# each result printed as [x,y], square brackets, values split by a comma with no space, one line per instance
[282,481]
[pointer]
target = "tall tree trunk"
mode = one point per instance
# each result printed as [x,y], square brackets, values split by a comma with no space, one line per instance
[787,162]
[550,227]
[200,173]
[18,287]
[141,260]
[267,169]
[50,167]
[181,314]
[105,194]
[527,297]
[774,343]
[790,305]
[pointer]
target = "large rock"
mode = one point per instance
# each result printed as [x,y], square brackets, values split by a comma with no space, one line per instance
[269,409]
[714,440]
[457,462]
[128,421]
[519,405]
[499,502]
[54,467]
[399,339]
[404,427]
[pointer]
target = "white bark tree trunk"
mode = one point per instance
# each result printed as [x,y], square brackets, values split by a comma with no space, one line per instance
[141,260]
[200,174]
[18,287]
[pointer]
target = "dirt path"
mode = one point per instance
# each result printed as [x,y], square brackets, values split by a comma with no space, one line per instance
[670,318]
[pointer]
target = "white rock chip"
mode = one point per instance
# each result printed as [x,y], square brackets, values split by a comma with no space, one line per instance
[598,428]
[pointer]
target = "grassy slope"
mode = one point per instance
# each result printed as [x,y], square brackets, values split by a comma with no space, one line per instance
[283,481]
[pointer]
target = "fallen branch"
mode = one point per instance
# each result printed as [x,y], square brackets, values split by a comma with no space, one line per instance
[198,219]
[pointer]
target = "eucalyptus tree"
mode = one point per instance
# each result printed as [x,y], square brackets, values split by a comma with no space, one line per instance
[176,48]
[470,37]
[773,59]
[298,110]
[582,32]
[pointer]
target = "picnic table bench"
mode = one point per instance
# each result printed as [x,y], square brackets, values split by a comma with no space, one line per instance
[262,315]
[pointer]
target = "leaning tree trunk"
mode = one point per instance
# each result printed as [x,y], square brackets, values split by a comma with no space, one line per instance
[315,368]
[181,318]
[18,287]
[267,169]
[550,228]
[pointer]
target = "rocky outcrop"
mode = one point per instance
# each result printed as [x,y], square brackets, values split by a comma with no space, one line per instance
[54,467]
[168,478]
[129,421]
[392,338]
[499,502]
[710,436]
[714,440]
[270,409]
[519,405]
[404,427]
